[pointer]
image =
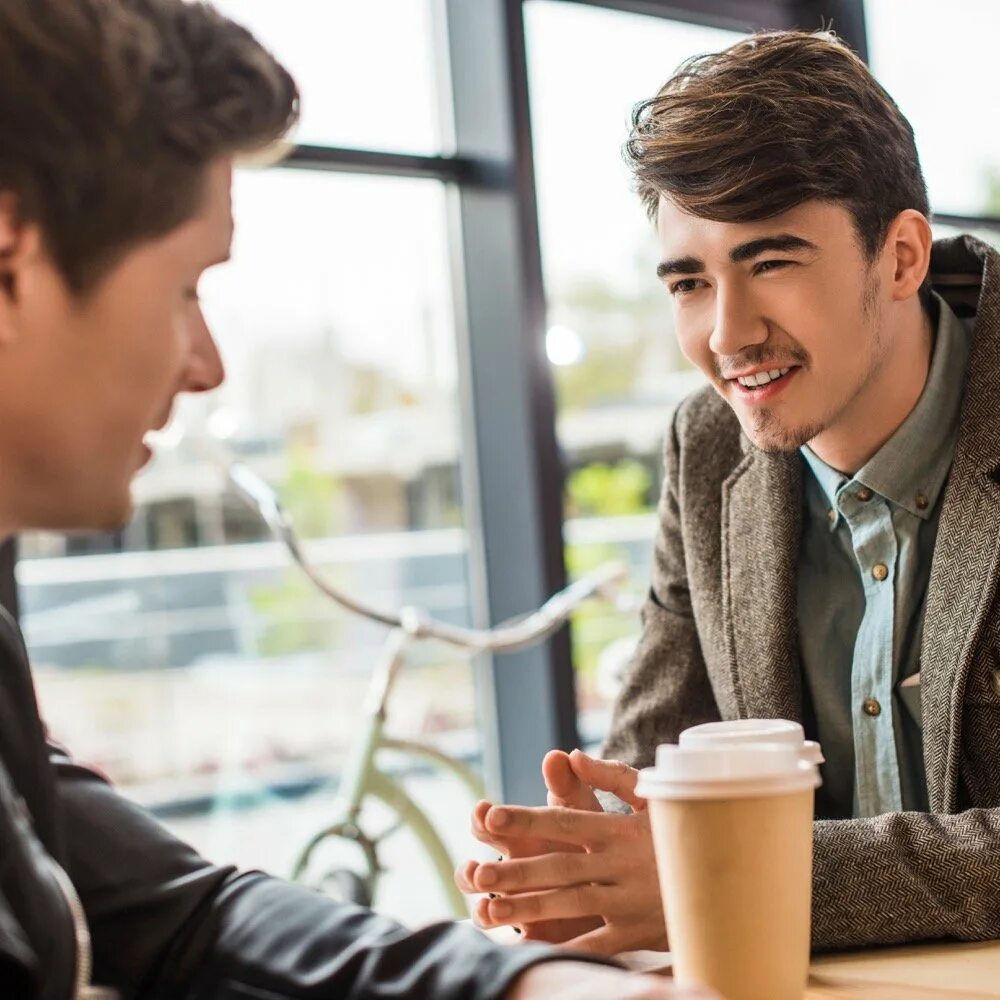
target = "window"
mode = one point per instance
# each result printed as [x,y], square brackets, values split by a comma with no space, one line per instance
[939,71]
[366,71]
[617,368]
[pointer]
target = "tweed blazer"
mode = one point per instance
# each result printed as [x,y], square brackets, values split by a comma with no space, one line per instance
[720,641]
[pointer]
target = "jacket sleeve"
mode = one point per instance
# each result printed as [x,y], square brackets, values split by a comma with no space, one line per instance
[906,877]
[165,923]
[666,688]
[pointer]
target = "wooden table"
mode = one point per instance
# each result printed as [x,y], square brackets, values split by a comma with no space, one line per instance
[941,971]
[949,971]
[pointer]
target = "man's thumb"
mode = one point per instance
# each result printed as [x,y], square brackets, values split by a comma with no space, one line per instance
[613,776]
[565,787]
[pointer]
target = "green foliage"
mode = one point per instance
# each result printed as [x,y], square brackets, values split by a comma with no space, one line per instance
[312,497]
[605,374]
[293,616]
[601,490]
[595,625]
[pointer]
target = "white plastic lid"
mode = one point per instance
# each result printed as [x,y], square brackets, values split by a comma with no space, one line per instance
[753,731]
[715,772]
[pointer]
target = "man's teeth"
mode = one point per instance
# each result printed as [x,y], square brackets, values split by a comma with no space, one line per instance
[762,378]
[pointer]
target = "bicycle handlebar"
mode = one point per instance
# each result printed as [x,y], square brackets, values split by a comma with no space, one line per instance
[508,636]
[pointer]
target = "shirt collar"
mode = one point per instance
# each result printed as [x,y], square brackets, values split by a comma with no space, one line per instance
[910,469]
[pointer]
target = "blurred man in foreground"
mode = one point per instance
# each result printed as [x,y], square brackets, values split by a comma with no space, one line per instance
[120,120]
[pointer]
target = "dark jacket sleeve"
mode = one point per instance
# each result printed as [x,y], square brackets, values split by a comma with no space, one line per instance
[666,688]
[167,924]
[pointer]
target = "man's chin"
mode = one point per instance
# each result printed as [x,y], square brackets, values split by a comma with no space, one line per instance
[111,514]
[769,434]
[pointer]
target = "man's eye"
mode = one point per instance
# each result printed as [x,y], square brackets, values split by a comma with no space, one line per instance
[771,265]
[683,286]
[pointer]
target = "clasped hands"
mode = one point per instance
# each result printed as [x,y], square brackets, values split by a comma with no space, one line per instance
[572,873]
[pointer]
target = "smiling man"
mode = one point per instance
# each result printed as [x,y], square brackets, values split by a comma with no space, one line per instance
[120,122]
[828,546]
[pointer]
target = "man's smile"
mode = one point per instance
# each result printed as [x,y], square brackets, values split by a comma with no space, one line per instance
[762,385]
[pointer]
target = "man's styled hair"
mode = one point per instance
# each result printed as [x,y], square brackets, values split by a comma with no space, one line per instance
[776,120]
[110,111]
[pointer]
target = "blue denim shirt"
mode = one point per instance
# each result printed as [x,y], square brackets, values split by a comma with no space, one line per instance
[865,562]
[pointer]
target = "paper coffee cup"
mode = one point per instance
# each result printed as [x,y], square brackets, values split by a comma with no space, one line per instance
[752,731]
[732,832]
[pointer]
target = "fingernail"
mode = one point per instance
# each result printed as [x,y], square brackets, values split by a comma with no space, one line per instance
[499,817]
[487,876]
[500,909]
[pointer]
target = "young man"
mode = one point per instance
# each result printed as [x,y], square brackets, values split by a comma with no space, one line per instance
[120,121]
[828,544]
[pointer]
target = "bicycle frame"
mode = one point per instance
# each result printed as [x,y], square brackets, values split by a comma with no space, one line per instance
[363,777]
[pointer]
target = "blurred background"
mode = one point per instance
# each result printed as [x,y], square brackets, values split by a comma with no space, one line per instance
[448,352]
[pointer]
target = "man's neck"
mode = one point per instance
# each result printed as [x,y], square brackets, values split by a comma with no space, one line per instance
[884,403]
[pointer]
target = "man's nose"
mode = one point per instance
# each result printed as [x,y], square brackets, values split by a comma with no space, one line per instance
[736,326]
[204,370]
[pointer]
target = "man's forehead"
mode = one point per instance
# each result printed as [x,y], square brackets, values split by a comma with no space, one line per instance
[212,226]
[681,232]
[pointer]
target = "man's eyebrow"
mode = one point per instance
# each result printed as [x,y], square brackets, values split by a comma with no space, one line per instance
[782,242]
[679,265]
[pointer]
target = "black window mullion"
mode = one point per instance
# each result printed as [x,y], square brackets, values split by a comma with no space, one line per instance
[451,169]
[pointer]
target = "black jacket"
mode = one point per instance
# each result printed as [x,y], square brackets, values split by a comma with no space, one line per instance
[165,923]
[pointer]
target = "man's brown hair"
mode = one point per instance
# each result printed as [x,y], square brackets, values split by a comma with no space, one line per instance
[110,110]
[775,120]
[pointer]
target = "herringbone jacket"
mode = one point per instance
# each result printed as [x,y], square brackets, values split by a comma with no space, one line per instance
[720,641]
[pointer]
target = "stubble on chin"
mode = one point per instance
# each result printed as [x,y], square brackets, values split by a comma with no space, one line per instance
[768,433]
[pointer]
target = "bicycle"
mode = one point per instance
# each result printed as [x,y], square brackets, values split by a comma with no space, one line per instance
[363,777]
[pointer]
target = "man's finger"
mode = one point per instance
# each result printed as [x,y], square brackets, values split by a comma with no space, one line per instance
[565,787]
[481,914]
[513,843]
[556,904]
[550,871]
[613,776]
[569,826]
[465,877]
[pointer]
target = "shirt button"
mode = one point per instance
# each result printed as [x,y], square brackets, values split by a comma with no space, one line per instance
[831,515]
[872,707]
[880,571]
[864,494]
[922,502]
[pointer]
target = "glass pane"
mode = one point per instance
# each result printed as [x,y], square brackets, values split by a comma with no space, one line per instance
[196,666]
[989,236]
[365,70]
[939,70]
[616,364]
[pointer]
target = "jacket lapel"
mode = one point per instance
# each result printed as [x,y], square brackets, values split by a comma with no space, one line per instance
[761,526]
[967,553]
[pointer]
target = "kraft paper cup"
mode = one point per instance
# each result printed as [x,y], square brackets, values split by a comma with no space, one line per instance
[732,832]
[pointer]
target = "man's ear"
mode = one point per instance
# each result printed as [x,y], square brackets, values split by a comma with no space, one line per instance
[20,245]
[908,242]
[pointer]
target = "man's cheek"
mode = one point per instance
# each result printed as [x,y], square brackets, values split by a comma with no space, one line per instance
[697,352]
